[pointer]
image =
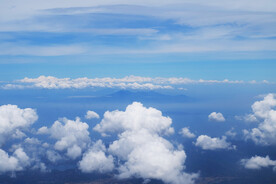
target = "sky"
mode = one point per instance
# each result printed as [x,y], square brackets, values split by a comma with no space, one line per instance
[195,39]
[140,91]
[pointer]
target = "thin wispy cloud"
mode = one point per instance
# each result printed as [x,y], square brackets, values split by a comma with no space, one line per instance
[158,27]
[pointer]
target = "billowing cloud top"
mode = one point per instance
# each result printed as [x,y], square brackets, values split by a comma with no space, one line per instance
[258,162]
[14,120]
[216,116]
[264,111]
[208,143]
[141,146]
[135,117]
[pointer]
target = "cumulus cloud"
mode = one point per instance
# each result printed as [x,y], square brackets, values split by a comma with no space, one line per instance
[231,133]
[72,136]
[14,120]
[91,115]
[95,159]
[258,162]
[264,111]
[134,118]
[53,156]
[208,143]
[216,116]
[140,146]
[15,162]
[185,132]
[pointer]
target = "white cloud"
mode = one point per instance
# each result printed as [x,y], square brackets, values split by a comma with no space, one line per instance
[32,141]
[72,136]
[215,25]
[91,115]
[74,151]
[14,120]
[148,155]
[134,118]
[263,110]
[231,133]
[247,118]
[185,132]
[95,159]
[22,157]
[43,130]
[128,82]
[140,147]
[258,162]
[208,143]
[216,116]
[16,162]
[53,156]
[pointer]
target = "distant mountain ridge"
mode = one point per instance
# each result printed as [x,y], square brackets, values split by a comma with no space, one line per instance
[145,95]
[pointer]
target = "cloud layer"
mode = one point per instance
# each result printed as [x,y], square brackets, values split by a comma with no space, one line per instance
[232,26]
[129,82]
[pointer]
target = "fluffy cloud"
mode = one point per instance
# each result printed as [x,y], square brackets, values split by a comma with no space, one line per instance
[91,115]
[14,120]
[231,133]
[216,116]
[53,156]
[208,143]
[16,162]
[185,132]
[72,136]
[95,159]
[258,162]
[263,110]
[134,118]
[141,147]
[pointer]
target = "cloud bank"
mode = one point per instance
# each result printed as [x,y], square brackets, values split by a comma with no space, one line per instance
[129,82]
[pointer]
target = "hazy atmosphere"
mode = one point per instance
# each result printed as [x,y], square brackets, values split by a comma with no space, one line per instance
[137,92]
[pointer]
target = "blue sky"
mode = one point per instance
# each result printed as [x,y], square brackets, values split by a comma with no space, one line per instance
[166,91]
[195,39]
